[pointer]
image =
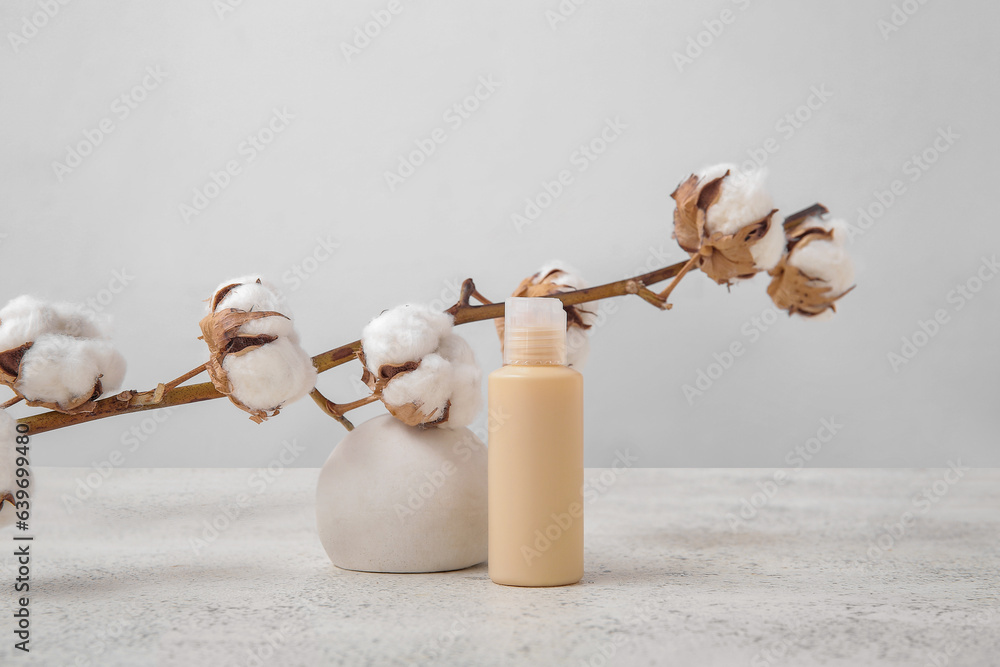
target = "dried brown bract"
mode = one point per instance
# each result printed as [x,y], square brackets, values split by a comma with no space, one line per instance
[813,275]
[723,256]
[221,332]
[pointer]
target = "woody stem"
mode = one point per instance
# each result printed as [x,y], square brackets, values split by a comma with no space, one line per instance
[665,294]
[463,312]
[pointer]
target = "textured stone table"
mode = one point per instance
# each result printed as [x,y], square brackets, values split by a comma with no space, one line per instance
[823,567]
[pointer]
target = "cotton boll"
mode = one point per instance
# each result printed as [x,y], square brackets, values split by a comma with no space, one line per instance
[826,261]
[768,250]
[446,374]
[428,387]
[8,467]
[404,333]
[69,352]
[270,376]
[64,370]
[815,273]
[742,199]
[448,377]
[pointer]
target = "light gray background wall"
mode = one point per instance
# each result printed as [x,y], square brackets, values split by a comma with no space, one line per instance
[888,96]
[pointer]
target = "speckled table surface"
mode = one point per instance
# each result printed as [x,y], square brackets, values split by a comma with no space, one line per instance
[686,567]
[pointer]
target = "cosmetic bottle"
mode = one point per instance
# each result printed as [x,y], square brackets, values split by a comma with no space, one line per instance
[535,451]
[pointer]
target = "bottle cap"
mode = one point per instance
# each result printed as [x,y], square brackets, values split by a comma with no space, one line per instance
[534,331]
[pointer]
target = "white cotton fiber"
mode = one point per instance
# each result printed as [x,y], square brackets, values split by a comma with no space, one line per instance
[277,373]
[70,350]
[26,318]
[8,466]
[63,369]
[272,375]
[74,319]
[428,386]
[768,250]
[742,200]
[446,371]
[466,380]
[826,260]
[404,333]
[249,294]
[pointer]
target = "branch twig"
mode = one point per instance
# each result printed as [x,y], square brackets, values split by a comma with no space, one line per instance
[171,395]
[337,410]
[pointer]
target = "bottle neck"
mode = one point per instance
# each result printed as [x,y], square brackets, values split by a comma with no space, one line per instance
[535,346]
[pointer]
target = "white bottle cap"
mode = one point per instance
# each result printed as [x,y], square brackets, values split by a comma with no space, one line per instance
[534,331]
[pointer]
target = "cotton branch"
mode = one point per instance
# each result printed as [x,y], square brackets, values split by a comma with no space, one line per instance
[171,395]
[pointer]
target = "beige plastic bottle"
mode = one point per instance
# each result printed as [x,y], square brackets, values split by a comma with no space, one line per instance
[535,451]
